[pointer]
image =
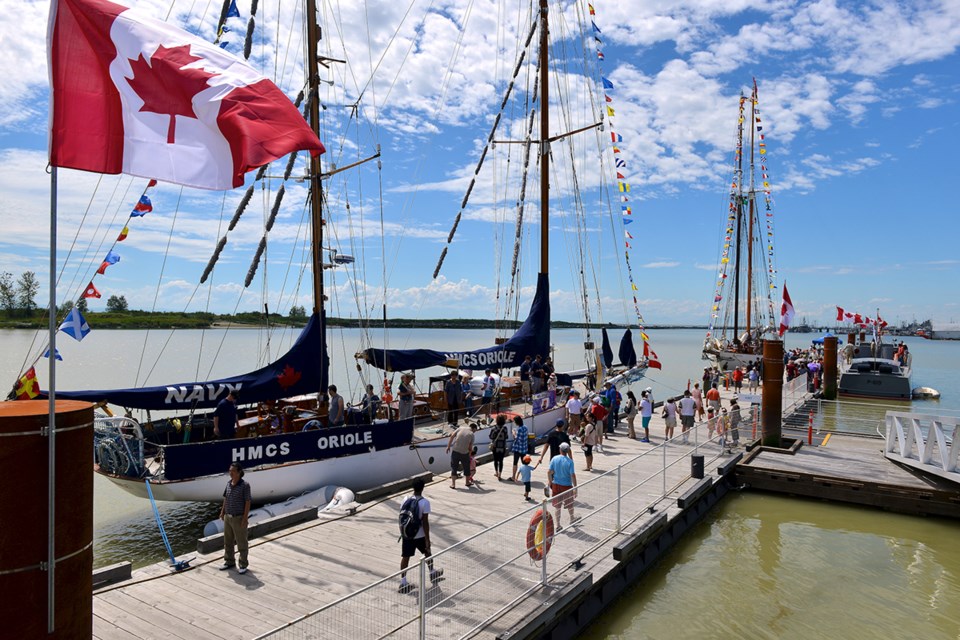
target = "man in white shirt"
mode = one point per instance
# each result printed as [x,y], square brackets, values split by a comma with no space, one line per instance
[574,410]
[688,408]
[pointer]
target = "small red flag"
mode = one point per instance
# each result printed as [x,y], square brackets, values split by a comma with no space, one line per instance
[839,314]
[152,183]
[91,291]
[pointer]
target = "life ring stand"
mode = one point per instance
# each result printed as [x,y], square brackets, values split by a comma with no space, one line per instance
[539,535]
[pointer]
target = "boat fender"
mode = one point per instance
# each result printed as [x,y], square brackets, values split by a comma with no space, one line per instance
[312,425]
[343,496]
[539,535]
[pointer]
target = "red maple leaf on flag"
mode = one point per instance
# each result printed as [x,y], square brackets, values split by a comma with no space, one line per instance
[289,377]
[165,86]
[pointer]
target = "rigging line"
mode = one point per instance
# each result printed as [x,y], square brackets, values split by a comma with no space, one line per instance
[203,331]
[486,147]
[108,205]
[156,294]
[386,50]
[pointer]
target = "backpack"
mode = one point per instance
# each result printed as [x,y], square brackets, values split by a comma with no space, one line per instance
[409,519]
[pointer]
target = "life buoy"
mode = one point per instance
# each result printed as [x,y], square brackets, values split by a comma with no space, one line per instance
[539,534]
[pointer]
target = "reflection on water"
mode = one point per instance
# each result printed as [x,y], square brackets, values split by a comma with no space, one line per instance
[125,527]
[764,566]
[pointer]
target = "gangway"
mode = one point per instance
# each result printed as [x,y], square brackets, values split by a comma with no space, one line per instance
[924,441]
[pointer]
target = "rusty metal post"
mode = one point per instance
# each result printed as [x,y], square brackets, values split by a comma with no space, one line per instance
[771,403]
[830,368]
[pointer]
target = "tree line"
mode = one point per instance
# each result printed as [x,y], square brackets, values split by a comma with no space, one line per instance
[18,298]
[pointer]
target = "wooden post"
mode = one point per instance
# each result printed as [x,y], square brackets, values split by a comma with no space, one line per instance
[830,368]
[24,477]
[771,403]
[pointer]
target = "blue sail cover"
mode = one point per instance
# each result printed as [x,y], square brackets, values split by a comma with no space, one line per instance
[628,355]
[606,350]
[531,339]
[300,371]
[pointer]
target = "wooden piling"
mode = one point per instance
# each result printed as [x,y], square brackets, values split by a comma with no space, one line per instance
[23,522]
[771,403]
[830,368]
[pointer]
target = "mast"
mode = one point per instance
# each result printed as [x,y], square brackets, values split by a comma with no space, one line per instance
[316,193]
[544,138]
[739,199]
[752,194]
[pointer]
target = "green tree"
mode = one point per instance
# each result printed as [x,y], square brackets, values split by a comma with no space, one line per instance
[82,305]
[27,288]
[297,312]
[116,304]
[65,308]
[8,293]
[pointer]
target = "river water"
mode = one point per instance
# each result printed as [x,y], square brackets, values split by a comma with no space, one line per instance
[125,526]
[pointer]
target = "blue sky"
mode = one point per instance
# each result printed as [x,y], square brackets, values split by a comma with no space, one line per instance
[859,102]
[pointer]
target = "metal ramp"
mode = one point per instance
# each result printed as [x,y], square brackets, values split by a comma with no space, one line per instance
[925,442]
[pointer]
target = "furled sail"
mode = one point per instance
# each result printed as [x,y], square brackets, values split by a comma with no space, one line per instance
[301,370]
[531,339]
[628,355]
[606,350]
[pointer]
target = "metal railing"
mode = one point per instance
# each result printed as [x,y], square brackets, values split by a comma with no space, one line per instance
[488,573]
[933,436]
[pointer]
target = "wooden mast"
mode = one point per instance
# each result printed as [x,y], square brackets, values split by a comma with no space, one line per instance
[316,194]
[739,229]
[752,195]
[544,139]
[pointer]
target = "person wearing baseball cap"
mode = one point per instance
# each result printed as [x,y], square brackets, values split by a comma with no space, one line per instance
[562,477]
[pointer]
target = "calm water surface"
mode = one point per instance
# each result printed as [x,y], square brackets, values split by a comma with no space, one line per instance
[764,566]
[125,526]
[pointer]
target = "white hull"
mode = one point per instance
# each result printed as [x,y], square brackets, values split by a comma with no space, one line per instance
[728,360]
[357,472]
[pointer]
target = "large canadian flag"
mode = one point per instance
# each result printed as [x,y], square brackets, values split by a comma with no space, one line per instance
[132,94]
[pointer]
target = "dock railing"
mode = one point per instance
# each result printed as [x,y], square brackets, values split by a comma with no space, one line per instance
[487,574]
[924,441]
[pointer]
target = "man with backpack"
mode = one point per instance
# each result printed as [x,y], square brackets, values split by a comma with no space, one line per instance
[414,523]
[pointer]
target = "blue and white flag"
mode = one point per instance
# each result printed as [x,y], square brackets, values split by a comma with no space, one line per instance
[75,326]
[46,354]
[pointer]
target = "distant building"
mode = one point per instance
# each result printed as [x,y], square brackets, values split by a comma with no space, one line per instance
[945,331]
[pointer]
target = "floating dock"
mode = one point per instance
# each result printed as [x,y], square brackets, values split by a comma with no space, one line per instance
[337,577]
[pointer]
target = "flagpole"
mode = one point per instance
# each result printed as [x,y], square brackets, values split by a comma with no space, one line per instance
[52,407]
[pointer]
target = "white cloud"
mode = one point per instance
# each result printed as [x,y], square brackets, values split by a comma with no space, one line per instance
[663,264]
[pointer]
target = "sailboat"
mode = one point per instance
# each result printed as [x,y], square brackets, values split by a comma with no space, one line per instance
[742,311]
[284,440]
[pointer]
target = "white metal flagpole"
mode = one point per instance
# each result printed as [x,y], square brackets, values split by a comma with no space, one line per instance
[52,404]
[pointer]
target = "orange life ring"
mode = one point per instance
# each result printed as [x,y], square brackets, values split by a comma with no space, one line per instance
[539,534]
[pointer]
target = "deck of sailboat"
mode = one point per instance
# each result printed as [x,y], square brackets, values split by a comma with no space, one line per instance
[301,569]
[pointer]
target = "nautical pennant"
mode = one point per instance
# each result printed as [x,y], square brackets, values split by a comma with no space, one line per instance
[56,352]
[91,291]
[123,234]
[27,386]
[142,208]
[111,258]
[74,325]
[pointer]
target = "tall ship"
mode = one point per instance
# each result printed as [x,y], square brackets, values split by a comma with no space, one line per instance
[742,312]
[160,438]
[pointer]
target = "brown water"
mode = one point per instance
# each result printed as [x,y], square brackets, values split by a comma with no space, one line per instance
[765,566]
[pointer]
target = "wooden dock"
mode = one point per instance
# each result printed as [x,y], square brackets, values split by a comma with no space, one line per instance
[315,564]
[298,570]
